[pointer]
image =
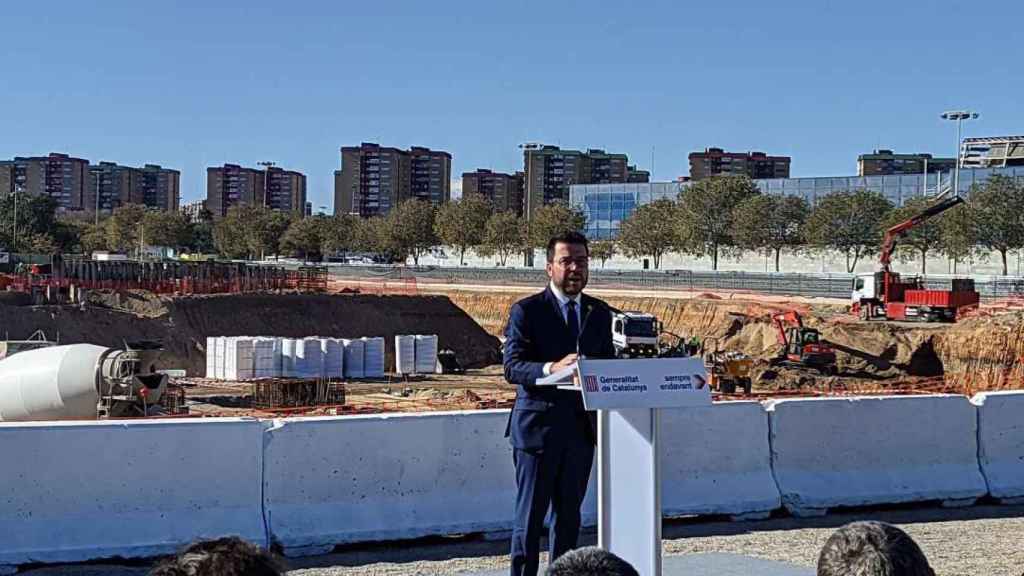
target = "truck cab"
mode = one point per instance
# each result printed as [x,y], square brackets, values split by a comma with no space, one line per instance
[635,334]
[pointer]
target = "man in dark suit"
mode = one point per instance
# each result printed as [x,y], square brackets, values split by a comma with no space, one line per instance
[552,435]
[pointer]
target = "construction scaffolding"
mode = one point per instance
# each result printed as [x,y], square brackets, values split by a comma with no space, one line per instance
[279,393]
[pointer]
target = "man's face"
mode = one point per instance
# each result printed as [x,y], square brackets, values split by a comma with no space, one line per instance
[570,267]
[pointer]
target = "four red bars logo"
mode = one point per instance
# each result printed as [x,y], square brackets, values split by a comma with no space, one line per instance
[590,383]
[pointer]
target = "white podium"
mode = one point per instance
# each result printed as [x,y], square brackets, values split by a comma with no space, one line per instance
[628,396]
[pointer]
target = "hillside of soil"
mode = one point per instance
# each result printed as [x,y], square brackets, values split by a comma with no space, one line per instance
[184,323]
[978,353]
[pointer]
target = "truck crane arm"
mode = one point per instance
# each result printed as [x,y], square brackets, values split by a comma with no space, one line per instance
[892,235]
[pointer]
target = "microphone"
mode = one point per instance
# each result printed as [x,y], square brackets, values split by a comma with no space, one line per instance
[583,325]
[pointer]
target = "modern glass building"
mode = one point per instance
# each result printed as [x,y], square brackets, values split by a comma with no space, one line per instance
[607,205]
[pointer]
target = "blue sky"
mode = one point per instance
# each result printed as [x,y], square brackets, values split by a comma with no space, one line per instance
[191,84]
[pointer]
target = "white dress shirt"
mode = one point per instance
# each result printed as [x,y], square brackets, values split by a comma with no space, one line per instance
[563,303]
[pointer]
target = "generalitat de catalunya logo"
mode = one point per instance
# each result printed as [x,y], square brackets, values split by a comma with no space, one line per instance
[590,383]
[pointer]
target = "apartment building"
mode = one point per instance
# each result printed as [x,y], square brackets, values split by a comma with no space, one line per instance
[58,176]
[286,190]
[232,185]
[715,161]
[504,191]
[373,179]
[886,162]
[550,171]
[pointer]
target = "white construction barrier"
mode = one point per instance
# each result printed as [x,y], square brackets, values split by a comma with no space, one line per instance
[1001,443]
[716,460]
[829,452]
[327,480]
[77,491]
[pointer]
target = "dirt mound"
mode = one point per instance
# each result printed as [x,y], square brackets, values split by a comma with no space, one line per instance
[137,302]
[985,353]
[873,351]
[187,321]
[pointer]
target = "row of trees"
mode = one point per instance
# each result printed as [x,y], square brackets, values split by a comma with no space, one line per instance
[729,215]
[712,218]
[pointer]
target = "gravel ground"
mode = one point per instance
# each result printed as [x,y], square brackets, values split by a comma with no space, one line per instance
[978,541]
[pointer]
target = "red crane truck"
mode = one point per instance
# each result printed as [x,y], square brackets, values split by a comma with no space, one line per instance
[885,295]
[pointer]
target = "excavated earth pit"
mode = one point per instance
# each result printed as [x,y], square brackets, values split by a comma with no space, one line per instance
[984,352]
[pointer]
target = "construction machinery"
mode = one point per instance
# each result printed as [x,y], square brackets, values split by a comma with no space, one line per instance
[82,381]
[727,370]
[802,346]
[885,295]
[635,334]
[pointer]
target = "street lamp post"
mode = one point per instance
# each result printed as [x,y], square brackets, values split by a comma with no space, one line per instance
[959,116]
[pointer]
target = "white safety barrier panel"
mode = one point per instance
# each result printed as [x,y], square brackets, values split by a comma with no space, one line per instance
[1001,443]
[829,452]
[716,460]
[76,491]
[328,480]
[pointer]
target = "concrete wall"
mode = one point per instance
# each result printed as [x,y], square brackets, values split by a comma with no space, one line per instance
[829,452]
[357,478]
[84,490]
[1001,443]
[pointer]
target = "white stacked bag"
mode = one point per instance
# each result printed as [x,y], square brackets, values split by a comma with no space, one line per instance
[373,359]
[353,363]
[415,354]
[267,357]
[334,358]
[426,354]
[405,354]
[309,358]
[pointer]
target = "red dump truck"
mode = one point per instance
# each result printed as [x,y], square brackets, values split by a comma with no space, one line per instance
[886,295]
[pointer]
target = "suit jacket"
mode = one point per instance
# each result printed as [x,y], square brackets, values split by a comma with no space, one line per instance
[536,334]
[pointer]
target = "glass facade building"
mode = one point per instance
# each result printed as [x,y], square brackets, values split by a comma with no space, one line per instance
[605,206]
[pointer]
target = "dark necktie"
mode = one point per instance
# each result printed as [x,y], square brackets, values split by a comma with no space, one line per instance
[573,321]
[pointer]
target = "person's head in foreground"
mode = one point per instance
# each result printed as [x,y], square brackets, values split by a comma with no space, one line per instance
[872,549]
[221,557]
[590,561]
[569,262]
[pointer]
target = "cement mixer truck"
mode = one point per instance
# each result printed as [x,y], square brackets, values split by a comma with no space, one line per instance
[81,381]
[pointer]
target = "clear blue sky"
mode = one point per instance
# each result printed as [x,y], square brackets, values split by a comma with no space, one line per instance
[189,84]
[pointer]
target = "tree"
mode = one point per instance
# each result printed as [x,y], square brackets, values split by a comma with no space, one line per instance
[705,215]
[460,223]
[166,229]
[551,220]
[410,226]
[849,223]
[36,215]
[305,236]
[265,231]
[997,209]
[922,239]
[503,236]
[339,233]
[770,223]
[126,228]
[649,231]
[229,234]
[958,238]
[602,250]
[92,238]
[200,237]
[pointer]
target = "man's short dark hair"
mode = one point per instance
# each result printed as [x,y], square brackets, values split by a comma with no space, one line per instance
[590,561]
[230,556]
[872,549]
[570,237]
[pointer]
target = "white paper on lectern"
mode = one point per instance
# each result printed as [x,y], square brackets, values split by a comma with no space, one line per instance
[560,378]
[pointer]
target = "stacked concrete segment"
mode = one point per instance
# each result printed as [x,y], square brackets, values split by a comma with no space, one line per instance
[829,452]
[1001,443]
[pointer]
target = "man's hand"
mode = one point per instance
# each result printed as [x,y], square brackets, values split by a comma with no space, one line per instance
[563,363]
